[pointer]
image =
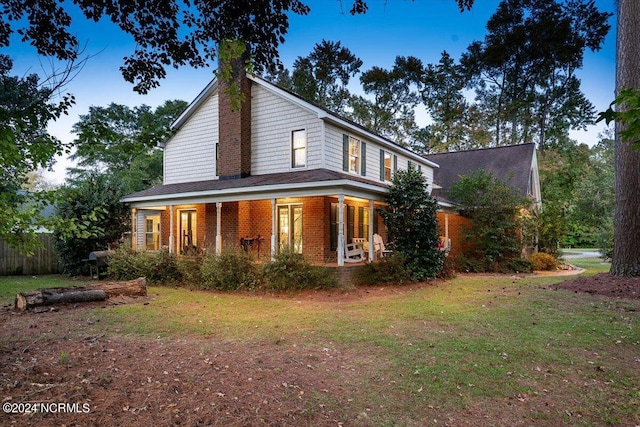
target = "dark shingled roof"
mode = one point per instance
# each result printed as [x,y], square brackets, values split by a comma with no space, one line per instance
[283,178]
[511,164]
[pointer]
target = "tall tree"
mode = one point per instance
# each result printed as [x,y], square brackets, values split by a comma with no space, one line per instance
[447,105]
[525,68]
[626,243]
[592,203]
[26,107]
[324,74]
[394,95]
[123,142]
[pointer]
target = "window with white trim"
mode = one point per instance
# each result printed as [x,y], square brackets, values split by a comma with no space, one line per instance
[354,155]
[298,148]
[387,166]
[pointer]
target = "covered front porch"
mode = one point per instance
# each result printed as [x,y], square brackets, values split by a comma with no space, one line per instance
[323,228]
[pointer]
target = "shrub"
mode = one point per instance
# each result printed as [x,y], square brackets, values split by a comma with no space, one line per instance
[158,267]
[390,269]
[516,265]
[410,217]
[470,265]
[231,270]
[543,262]
[505,266]
[495,209]
[191,270]
[448,269]
[291,271]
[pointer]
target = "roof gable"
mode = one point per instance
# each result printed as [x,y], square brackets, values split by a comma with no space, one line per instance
[511,164]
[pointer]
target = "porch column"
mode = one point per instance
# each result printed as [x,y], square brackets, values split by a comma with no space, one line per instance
[134,229]
[218,228]
[370,236]
[273,229]
[171,227]
[341,230]
[446,231]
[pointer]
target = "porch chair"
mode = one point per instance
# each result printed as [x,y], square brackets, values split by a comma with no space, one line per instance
[363,243]
[378,246]
[353,252]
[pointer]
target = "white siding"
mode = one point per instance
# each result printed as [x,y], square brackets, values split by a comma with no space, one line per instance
[273,120]
[334,160]
[191,154]
[333,147]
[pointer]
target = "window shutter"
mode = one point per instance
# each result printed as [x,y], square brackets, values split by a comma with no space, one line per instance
[409,164]
[333,227]
[360,222]
[375,220]
[381,165]
[420,168]
[351,223]
[345,153]
[395,163]
[363,158]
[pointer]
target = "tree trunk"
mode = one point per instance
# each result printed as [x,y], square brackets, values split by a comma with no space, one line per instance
[98,292]
[626,246]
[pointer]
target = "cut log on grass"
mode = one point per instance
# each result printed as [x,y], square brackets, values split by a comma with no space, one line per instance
[76,294]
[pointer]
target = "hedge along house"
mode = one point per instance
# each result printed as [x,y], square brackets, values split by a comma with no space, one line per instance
[280,172]
[515,165]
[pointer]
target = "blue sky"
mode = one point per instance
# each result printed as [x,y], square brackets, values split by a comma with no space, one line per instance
[423,28]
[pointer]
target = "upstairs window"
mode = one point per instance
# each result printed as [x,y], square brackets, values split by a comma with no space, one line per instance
[387,166]
[355,155]
[298,148]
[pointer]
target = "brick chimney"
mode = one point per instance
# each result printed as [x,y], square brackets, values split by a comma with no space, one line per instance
[234,120]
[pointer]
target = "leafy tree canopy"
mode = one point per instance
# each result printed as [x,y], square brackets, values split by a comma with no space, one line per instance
[168,33]
[93,202]
[123,142]
[26,107]
[324,74]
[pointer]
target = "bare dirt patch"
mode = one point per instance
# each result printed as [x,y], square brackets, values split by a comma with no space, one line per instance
[56,357]
[604,284]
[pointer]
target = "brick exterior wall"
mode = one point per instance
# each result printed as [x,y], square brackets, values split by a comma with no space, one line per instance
[457,230]
[250,219]
[234,130]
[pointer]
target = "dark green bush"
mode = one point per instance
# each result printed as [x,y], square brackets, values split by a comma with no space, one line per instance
[470,265]
[448,269]
[505,266]
[543,262]
[191,270]
[390,269]
[410,217]
[231,270]
[517,265]
[158,267]
[291,271]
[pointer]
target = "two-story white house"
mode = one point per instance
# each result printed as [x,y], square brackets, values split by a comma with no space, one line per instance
[280,172]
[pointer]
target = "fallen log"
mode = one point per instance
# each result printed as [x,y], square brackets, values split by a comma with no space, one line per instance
[76,294]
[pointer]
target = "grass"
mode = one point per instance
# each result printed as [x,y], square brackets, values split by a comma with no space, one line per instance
[507,347]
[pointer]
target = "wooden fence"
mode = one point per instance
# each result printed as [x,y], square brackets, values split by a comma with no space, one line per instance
[43,261]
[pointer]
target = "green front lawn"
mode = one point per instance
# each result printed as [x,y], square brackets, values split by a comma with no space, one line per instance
[503,346]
